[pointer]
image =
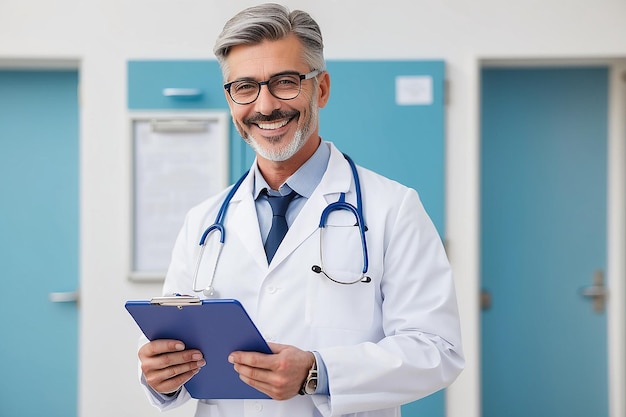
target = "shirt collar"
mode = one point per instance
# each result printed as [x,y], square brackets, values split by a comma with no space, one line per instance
[304,180]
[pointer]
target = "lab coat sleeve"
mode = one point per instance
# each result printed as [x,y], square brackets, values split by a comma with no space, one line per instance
[421,350]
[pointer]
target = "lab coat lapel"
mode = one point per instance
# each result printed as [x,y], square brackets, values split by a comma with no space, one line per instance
[242,221]
[336,179]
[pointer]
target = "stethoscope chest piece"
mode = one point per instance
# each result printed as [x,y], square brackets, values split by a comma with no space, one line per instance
[209,292]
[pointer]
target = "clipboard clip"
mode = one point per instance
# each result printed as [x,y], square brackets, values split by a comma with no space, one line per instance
[179,301]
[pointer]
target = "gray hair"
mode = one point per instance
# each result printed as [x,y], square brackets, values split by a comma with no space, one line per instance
[271,22]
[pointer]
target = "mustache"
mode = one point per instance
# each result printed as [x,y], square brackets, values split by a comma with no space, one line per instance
[275,115]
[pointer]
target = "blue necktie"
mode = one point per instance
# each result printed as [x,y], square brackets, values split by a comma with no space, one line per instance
[279,223]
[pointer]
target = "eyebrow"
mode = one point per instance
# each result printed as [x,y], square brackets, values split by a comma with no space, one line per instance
[286,72]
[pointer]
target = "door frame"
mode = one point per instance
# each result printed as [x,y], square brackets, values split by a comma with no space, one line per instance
[616,213]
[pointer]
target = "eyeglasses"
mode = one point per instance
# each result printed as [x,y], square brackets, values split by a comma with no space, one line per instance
[284,86]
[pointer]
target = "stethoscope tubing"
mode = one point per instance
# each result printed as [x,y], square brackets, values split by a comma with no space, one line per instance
[218,224]
[342,205]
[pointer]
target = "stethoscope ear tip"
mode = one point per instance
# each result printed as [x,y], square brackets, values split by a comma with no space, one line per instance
[316,269]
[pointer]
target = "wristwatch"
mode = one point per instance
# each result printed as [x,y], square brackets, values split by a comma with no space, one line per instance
[310,382]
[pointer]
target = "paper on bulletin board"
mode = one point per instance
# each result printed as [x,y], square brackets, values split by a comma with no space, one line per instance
[178,162]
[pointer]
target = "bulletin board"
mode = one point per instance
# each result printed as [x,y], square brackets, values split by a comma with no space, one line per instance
[178,161]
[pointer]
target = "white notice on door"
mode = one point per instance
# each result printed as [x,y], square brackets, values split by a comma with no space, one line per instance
[414,90]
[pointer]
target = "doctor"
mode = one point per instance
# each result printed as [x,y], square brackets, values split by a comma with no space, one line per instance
[356,327]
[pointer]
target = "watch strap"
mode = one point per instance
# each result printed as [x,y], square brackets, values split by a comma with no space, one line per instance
[310,382]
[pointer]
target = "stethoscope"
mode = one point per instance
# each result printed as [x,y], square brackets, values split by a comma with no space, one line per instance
[341,204]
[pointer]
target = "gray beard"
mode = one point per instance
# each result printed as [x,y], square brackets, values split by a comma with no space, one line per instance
[278,155]
[298,141]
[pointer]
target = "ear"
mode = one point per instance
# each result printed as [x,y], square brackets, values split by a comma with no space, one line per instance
[323,89]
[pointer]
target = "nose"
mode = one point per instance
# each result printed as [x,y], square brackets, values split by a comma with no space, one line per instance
[266,103]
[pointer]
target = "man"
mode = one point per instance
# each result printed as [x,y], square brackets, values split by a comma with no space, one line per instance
[349,342]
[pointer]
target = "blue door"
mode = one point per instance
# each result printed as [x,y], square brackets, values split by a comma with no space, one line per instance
[38,242]
[544,197]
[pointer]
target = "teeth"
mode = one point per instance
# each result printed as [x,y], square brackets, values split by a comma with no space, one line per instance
[274,125]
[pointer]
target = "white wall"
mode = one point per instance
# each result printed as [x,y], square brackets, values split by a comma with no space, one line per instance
[103,34]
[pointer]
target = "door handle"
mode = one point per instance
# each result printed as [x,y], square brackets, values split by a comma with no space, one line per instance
[485,299]
[596,291]
[182,92]
[64,297]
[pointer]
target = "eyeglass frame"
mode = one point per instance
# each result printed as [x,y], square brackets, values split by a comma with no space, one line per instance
[314,73]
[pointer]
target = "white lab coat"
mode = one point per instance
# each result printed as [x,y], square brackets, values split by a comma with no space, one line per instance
[384,343]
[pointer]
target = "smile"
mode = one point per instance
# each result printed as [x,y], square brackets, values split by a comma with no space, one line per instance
[273,125]
[277,120]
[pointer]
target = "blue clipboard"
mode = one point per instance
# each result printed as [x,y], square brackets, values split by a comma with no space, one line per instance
[216,327]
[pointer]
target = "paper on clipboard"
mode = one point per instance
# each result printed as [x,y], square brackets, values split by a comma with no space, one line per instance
[217,327]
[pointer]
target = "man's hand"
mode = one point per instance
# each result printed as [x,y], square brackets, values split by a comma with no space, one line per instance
[166,364]
[279,375]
